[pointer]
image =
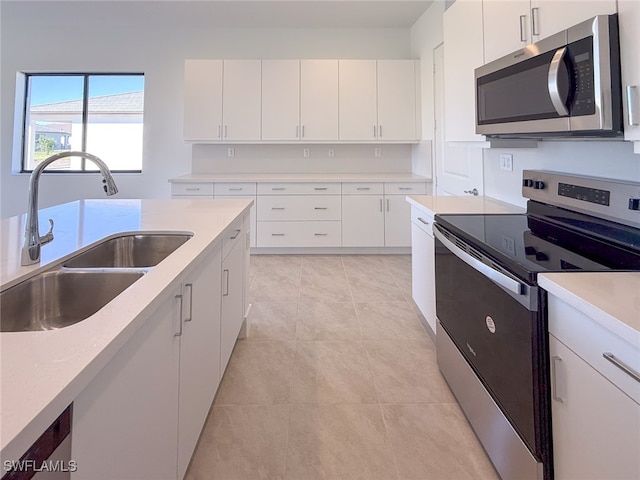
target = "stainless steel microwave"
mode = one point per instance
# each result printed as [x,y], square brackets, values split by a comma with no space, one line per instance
[565,85]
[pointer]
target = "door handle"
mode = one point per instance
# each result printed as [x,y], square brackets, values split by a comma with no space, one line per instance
[554,382]
[553,82]
[523,28]
[622,366]
[190,287]
[632,107]
[236,235]
[473,192]
[226,283]
[422,220]
[178,331]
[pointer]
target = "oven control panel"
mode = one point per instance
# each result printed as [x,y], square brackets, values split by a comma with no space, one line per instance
[616,200]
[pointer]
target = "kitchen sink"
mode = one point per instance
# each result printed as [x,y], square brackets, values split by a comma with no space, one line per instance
[129,251]
[62,297]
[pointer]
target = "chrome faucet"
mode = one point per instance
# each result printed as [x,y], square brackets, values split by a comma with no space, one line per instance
[32,238]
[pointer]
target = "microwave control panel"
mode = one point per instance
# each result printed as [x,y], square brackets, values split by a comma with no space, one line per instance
[582,101]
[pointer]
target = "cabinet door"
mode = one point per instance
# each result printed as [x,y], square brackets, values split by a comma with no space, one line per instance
[232,300]
[423,274]
[596,427]
[125,423]
[507,27]
[358,100]
[199,352]
[396,100]
[463,53]
[318,100]
[551,16]
[397,221]
[629,22]
[280,100]
[241,100]
[362,221]
[202,100]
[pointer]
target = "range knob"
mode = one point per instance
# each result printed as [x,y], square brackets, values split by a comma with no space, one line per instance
[538,185]
[634,204]
[542,257]
[527,182]
[529,250]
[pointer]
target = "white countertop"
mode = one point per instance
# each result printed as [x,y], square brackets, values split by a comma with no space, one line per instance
[299,177]
[610,298]
[43,372]
[462,204]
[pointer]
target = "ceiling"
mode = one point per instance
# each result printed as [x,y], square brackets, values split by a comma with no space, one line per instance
[220,14]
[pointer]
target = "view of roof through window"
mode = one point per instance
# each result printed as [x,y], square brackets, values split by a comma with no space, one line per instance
[100,114]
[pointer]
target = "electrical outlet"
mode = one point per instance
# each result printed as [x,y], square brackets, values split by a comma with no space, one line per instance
[231,152]
[377,152]
[305,152]
[332,153]
[506,162]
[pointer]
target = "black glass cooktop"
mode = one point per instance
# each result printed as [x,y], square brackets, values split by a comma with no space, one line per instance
[548,239]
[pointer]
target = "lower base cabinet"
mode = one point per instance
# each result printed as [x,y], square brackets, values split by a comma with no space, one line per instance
[141,416]
[423,280]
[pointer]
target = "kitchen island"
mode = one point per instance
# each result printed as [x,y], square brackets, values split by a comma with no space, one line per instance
[43,372]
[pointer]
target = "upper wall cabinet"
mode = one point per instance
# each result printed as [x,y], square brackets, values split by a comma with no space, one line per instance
[463,53]
[222,100]
[512,24]
[378,100]
[284,101]
[629,21]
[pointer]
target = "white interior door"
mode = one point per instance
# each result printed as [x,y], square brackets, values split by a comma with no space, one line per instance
[458,170]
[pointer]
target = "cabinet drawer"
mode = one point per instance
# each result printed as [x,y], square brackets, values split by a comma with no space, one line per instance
[299,189]
[232,236]
[299,234]
[362,188]
[589,340]
[234,188]
[422,219]
[405,188]
[311,207]
[192,189]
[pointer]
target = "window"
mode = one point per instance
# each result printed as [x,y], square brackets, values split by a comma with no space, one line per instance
[100,114]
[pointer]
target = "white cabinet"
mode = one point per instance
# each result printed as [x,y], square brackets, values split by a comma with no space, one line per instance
[222,100]
[463,53]
[233,297]
[191,190]
[199,352]
[241,190]
[280,100]
[125,422]
[397,212]
[629,22]
[377,100]
[362,215]
[319,100]
[595,409]
[202,100]
[423,281]
[510,25]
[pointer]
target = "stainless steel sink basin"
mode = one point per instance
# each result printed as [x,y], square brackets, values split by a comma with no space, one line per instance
[129,251]
[59,298]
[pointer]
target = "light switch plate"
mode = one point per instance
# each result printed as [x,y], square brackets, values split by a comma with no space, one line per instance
[506,162]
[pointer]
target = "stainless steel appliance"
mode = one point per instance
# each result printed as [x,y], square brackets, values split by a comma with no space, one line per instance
[565,85]
[492,340]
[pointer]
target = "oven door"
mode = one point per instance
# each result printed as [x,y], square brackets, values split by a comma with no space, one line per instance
[492,317]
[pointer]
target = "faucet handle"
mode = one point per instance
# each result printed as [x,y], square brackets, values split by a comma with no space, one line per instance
[49,235]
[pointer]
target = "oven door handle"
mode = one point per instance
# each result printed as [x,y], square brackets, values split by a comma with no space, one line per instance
[509,284]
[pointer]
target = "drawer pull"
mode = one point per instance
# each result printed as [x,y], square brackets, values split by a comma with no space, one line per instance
[277,234]
[554,384]
[236,235]
[320,188]
[363,188]
[320,208]
[235,189]
[321,234]
[622,366]
[405,188]
[192,189]
[277,208]
[423,220]
[277,188]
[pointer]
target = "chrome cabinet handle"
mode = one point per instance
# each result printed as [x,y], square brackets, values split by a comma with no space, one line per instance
[178,331]
[277,234]
[622,366]
[320,188]
[632,91]
[320,208]
[235,189]
[387,204]
[473,192]
[552,82]
[379,131]
[219,130]
[225,131]
[534,21]
[277,188]
[523,28]
[236,235]
[423,220]
[226,283]
[302,132]
[277,208]
[554,384]
[405,188]
[363,188]
[192,189]
[381,205]
[297,131]
[190,287]
[321,234]
[374,131]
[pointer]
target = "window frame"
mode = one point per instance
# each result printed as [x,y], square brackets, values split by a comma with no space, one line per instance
[85,114]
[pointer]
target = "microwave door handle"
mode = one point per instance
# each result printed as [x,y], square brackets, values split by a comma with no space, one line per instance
[505,282]
[553,82]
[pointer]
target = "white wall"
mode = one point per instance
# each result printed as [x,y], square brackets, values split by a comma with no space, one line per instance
[94,45]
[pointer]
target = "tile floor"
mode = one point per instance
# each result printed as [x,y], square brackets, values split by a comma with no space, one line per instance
[337,379]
